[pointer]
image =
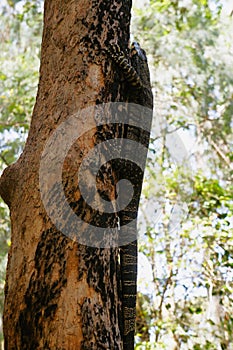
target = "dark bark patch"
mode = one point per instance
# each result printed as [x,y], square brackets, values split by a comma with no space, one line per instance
[43,291]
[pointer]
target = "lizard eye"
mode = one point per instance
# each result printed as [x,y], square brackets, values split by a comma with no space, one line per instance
[136,45]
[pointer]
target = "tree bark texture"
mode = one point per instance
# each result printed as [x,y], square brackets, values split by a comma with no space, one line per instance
[61,294]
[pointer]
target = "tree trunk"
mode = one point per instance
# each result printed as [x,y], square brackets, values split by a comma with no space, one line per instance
[60,293]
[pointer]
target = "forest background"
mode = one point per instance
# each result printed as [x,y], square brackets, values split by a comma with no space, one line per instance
[185,281]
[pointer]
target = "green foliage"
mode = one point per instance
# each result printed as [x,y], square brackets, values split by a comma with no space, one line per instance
[18,69]
[187,203]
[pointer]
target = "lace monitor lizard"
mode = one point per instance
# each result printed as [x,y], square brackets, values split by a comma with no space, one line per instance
[136,90]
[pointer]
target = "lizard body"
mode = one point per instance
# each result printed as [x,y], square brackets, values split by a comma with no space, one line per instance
[137,90]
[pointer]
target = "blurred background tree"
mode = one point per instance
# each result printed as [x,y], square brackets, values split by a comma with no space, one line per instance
[20,37]
[186,227]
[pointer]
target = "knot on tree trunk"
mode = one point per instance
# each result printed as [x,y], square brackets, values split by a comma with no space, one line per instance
[7,183]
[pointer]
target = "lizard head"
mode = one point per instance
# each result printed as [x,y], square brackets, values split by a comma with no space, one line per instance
[137,50]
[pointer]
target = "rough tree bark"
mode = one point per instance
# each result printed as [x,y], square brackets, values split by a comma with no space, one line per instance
[61,294]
